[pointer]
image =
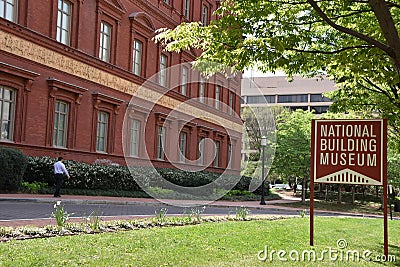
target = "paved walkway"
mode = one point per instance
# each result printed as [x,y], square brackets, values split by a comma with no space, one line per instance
[273,204]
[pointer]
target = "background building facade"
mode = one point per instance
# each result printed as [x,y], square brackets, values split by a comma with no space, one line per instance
[301,93]
[69,69]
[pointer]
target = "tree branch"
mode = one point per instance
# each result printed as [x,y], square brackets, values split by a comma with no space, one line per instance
[330,52]
[361,36]
[321,20]
[391,4]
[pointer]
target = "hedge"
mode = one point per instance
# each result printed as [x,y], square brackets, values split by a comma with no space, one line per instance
[12,168]
[105,177]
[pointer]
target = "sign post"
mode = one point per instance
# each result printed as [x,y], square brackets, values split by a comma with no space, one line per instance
[349,152]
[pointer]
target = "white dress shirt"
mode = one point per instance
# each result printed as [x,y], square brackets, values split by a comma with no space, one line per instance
[59,168]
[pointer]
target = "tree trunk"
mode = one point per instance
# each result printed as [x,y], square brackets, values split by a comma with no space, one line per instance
[353,194]
[320,190]
[326,192]
[339,194]
[303,191]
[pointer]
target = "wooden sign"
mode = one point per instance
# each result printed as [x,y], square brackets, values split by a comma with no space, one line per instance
[349,151]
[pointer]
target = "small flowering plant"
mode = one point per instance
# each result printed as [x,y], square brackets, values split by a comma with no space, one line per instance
[60,214]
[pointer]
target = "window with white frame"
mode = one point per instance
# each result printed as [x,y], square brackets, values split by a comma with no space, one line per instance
[182,146]
[134,138]
[160,142]
[186,9]
[204,15]
[137,57]
[202,89]
[230,156]
[217,150]
[8,10]
[105,41]
[7,110]
[60,124]
[163,70]
[102,131]
[184,86]
[201,151]
[217,96]
[64,22]
[231,95]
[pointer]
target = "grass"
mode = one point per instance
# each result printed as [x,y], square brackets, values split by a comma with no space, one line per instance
[368,204]
[206,244]
[367,208]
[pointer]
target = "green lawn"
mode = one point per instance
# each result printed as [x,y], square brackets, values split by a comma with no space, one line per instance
[208,244]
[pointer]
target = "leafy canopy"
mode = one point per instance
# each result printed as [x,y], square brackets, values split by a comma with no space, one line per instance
[355,42]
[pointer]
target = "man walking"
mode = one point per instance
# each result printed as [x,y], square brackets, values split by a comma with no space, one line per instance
[59,172]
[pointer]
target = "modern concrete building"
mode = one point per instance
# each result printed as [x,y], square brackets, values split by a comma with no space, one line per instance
[69,70]
[301,93]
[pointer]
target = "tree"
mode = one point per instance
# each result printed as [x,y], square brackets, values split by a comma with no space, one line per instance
[355,42]
[292,154]
[259,121]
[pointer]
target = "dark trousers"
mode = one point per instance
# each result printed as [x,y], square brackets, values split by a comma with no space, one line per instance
[59,180]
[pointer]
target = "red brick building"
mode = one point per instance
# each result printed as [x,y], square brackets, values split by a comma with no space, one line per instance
[69,69]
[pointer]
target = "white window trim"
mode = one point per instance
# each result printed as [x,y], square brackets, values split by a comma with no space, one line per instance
[184,86]
[160,142]
[163,70]
[134,138]
[57,114]
[182,146]
[137,57]
[98,136]
[217,96]
[14,11]
[11,119]
[105,38]
[60,26]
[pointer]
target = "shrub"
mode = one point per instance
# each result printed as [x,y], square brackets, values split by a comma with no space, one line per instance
[40,169]
[12,168]
[34,187]
[111,177]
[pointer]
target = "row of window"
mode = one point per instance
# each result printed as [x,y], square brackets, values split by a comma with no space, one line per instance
[139,51]
[297,98]
[316,109]
[61,128]
[183,144]
[186,11]
[8,10]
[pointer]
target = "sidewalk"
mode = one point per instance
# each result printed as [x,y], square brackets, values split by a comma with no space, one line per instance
[144,201]
[271,205]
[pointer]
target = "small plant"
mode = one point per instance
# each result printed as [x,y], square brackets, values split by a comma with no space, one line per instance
[229,213]
[303,213]
[242,213]
[188,216]
[60,214]
[196,212]
[160,214]
[94,220]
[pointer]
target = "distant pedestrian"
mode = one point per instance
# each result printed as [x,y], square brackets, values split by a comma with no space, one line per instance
[59,172]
